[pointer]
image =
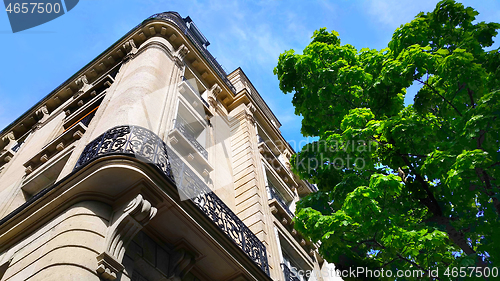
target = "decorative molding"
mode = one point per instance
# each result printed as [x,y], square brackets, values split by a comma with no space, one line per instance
[249,112]
[9,139]
[83,85]
[212,101]
[249,117]
[108,267]
[180,54]
[126,223]
[130,50]
[42,113]
[251,108]
[216,90]
[179,264]
[135,140]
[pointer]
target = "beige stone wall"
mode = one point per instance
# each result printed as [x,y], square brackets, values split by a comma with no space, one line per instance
[64,248]
[13,174]
[222,161]
[145,93]
[248,192]
[139,95]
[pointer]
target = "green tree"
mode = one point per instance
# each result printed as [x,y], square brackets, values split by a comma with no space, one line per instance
[413,187]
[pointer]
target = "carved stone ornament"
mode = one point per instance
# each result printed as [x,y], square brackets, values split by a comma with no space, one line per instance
[212,101]
[180,54]
[251,108]
[9,140]
[130,50]
[216,89]
[180,263]
[249,111]
[250,118]
[83,85]
[42,114]
[127,221]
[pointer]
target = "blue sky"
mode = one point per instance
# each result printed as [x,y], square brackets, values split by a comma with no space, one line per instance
[246,34]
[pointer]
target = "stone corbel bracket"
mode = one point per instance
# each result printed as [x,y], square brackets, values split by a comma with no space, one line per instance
[215,90]
[9,140]
[249,112]
[180,263]
[180,54]
[127,221]
[42,114]
[83,85]
[130,50]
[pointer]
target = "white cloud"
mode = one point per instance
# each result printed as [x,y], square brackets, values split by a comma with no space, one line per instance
[393,13]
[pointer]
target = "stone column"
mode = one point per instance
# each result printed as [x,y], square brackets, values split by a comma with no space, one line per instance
[138,95]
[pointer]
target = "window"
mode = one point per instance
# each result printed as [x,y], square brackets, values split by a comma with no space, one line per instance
[291,271]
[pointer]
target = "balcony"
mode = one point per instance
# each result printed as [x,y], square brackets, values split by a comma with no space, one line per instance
[185,137]
[87,101]
[5,156]
[277,164]
[144,145]
[69,136]
[44,167]
[189,134]
[16,147]
[274,194]
[192,88]
[193,97]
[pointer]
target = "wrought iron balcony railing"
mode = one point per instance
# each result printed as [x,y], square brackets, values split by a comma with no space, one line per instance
[182,126]
[218,212]
[279,198]
[128,140]
[289,275]
[146,146]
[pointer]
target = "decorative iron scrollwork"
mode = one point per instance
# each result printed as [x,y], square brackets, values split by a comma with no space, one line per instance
[213,207]
[129,140]
[148,147]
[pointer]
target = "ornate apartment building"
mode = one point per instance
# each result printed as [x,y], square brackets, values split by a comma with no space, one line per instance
[151,163]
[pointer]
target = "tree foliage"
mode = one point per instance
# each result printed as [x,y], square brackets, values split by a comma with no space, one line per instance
[421,189]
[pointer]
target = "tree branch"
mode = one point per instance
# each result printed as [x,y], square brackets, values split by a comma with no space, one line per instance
[470,92]
[436,92]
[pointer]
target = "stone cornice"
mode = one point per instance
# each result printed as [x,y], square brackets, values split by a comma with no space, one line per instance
[125,48]
[259,101]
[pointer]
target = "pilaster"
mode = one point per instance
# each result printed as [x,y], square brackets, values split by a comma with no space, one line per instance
[249,193]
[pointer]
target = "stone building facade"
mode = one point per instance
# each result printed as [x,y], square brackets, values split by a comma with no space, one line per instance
[151,163]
